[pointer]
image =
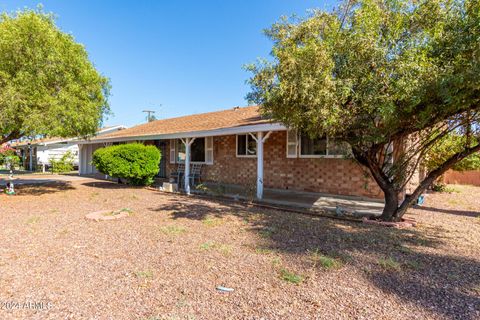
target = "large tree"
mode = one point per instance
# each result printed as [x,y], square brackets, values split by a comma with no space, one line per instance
[379,74]
[48,86]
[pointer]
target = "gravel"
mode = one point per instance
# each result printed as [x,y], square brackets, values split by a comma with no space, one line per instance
[166,259]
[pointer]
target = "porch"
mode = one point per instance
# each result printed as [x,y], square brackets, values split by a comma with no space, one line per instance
[311,201]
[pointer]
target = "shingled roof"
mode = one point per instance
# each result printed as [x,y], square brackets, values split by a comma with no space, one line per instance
[235,117]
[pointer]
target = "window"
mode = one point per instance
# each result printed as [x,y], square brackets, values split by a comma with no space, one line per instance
[315,148]
[201,150]
[246,146]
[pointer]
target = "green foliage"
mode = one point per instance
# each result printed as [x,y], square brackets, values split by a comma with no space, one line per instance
[445,148]
[8,157]
[48,86]
[135,162]
[290,276]
[378,73]
[62,164]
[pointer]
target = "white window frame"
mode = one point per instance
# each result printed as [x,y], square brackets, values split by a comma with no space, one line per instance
[295,143]
[197,162]
[312,156]
[244,155]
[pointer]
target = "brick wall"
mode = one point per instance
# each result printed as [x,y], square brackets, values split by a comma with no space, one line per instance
[326,175]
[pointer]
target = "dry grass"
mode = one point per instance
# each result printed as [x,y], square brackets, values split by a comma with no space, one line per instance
[165,261]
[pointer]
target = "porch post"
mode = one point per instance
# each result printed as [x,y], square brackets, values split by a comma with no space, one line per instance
[260,165]
[30,164]
[187,142]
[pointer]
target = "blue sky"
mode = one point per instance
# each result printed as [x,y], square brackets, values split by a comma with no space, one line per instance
[175,57]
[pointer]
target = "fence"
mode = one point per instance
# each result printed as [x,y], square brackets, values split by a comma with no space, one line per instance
[465,177]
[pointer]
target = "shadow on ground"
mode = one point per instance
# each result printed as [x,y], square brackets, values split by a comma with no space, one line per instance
[38,189]
[465,213]
[109,185]
[398,261]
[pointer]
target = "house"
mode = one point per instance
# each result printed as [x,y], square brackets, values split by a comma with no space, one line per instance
[239,147]
[37,153]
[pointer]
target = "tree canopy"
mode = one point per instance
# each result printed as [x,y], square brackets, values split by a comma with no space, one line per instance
[379,73]
[48,86]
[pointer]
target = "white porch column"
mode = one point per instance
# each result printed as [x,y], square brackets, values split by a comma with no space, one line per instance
[260,139]
[188,143]
[260,165]
[30,166]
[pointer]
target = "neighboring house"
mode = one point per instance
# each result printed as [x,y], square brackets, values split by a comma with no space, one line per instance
[36,154]
[240,147]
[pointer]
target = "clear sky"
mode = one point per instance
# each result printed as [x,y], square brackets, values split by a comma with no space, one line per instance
[174,57]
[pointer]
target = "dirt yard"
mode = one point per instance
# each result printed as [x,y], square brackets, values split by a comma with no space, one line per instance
[166,258]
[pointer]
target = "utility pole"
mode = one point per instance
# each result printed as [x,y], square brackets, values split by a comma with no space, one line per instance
[150,116]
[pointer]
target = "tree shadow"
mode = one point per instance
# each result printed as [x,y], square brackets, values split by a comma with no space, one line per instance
[198,209]
[102,184]
[435,282]
[465,213]
[38,189]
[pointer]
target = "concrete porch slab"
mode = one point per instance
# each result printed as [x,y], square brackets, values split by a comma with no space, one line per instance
[306,200]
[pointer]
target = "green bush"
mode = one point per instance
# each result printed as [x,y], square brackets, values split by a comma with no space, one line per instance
[135,162]
[63,164]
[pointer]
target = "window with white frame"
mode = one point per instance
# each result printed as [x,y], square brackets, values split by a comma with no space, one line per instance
[246,146]
[201,151]
[303,146]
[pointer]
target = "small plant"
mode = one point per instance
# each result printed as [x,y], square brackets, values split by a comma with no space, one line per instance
[442,187]
[211,222]
[173,230]
[263,251]
[207,245]
[413,264]
[290,276]
[276,262]
[33,220]
[63,164]
[324,261]
[147,274]
[389,264]
[267,232]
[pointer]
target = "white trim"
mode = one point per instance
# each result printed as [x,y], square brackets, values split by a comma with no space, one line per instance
[209,149]
[203,133]
[294,143]
[193,162]
[172,153]
[246,146]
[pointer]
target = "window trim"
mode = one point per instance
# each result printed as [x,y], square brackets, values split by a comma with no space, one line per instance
[312,156]
[236,147]
[195,162]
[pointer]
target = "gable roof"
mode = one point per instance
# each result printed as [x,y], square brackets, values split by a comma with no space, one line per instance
[230,118]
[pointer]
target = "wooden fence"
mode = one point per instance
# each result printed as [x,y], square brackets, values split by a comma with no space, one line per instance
[465,177]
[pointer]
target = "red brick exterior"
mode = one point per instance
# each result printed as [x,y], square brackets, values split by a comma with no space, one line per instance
[325,175]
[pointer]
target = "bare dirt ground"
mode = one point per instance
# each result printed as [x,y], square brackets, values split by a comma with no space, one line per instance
[166,258]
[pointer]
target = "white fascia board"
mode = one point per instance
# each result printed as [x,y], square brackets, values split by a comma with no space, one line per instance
[192,134]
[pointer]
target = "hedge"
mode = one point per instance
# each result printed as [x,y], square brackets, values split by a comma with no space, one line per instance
[135,162]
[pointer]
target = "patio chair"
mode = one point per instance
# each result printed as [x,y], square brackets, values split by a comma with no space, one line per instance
[178,174]
[195,174]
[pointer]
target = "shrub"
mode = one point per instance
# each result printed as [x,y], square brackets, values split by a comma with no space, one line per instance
[135,162]
[9,157]
[63,164]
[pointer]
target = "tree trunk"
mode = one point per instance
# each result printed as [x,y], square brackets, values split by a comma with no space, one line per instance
[389,212]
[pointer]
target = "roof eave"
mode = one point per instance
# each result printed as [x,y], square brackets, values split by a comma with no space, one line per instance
[191,134]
